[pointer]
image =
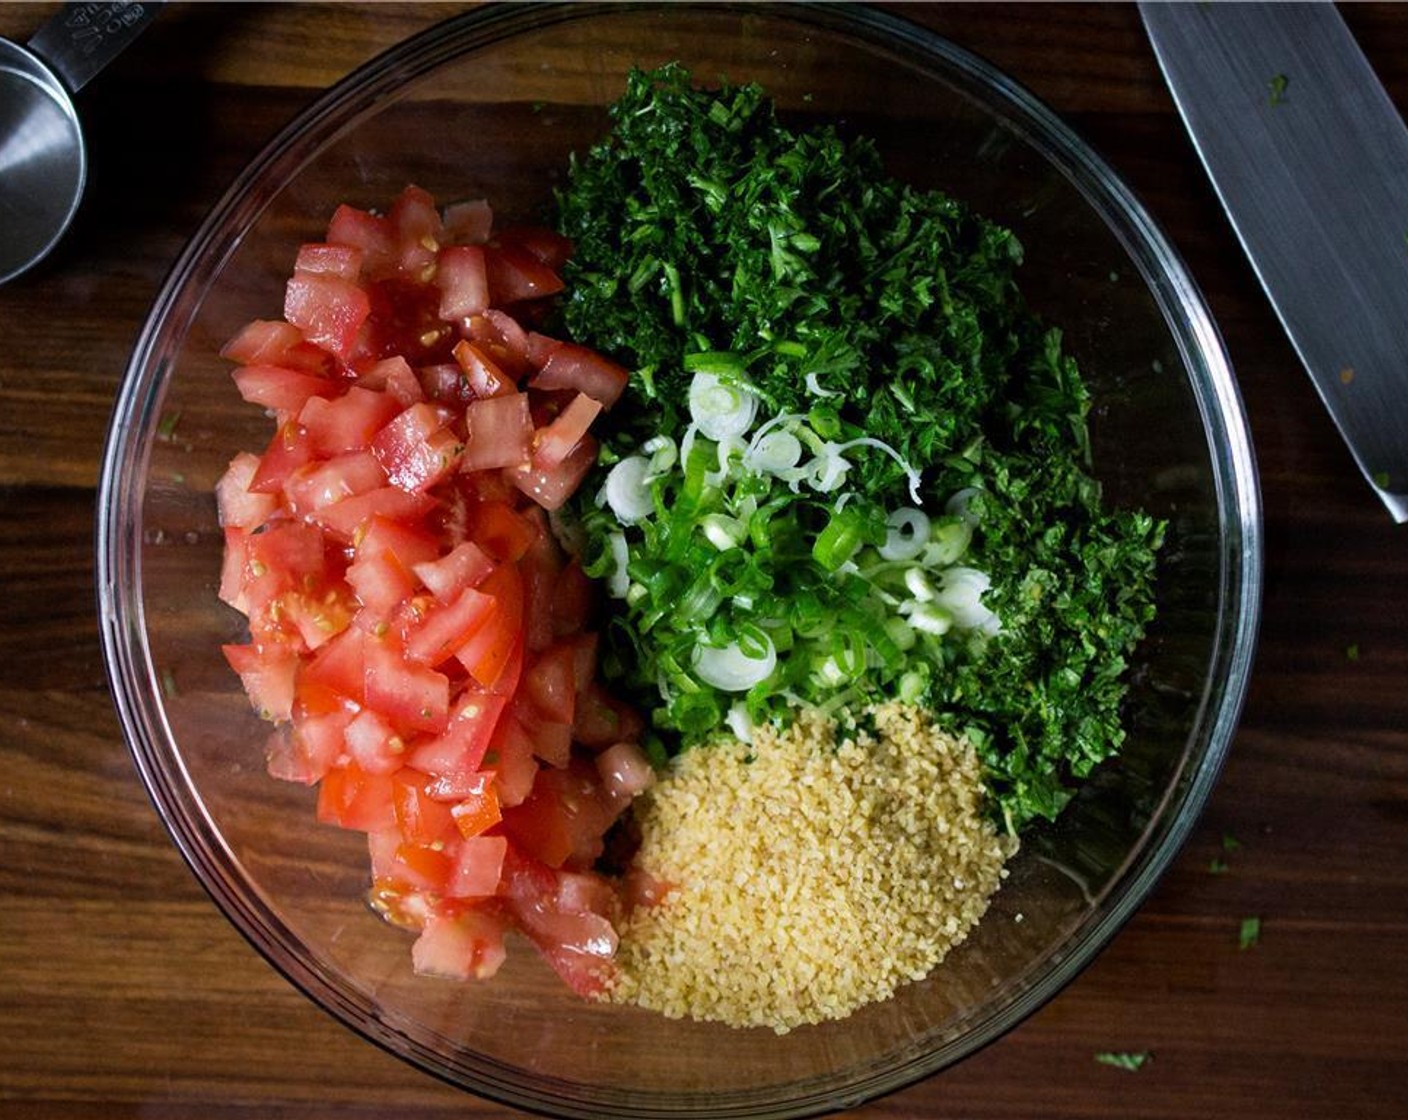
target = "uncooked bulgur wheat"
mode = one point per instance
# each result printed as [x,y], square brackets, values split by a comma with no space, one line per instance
[809,876]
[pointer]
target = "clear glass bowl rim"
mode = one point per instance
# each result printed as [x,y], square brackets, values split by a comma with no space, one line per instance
[134,682]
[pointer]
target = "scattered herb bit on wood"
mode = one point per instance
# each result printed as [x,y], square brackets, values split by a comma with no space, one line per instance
[1249,934]
[1131,1060]
[1217,866]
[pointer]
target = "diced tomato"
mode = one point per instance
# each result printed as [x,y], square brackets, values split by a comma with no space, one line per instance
[478,867]
[284,390]
[300,753]
[469,222]
[274,342]
[348,422]
[350,797]
[551,739]
[317,485]
[405,489]
[349,516]
[498,433]
[460,749]
[503,533]
[463,281]
[334,675]
[499,335]
[482,374]
[546,245]
[552,444]
[421,819]
[232,569]
[374,744]
[399,867]
[510,756]
[463,566]
[572,600]
[448,626]
[552,486]
[267,673]
[235,504]
[550,683]
[335,260]
[563,818]
[569,366]
[413,697]
[395,377]
[417,449]
[328,309]
[364,231]
[515,275]
[415,219]
[478,810]
[488,651]
[289,451]
[463,946]
[625,772]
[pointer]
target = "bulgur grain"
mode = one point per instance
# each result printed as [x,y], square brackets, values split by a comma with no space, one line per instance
[809,876]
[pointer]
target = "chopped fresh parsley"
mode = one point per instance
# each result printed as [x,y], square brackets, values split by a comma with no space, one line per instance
[1131,1060]
[1351,651]
[1217,866]
[1277,87]
[870,318]
[1230,843]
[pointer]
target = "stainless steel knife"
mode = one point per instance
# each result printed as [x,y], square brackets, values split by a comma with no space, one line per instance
[1310,159]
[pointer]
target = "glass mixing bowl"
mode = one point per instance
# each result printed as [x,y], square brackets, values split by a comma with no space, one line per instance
[490,104]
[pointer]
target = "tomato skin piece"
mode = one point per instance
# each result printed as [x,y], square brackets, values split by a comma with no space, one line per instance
[483,376]
[544,244]
[274,342]
[479,862]
[448,626]
[563,819]
[327,309]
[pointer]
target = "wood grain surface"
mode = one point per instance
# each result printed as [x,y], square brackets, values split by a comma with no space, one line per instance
[123,991]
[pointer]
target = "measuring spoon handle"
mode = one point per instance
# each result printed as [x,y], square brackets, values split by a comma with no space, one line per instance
[83,38]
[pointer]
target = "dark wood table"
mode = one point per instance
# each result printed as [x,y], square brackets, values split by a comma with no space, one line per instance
[124,993]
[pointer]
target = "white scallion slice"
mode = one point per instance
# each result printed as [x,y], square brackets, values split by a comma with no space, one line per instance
[627,490]
[730,669]
[961,593]
[619,582]
[906,533]
[720,409]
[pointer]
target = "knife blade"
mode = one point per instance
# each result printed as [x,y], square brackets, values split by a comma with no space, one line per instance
[1309,158]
